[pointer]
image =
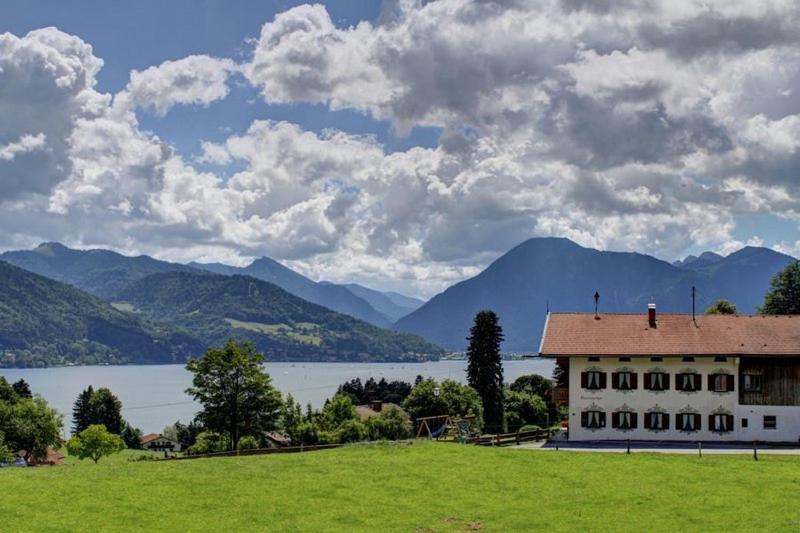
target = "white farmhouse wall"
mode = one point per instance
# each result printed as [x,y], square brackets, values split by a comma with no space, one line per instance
[704,402]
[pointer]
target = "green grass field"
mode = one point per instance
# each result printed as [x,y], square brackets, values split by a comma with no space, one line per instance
[417,487]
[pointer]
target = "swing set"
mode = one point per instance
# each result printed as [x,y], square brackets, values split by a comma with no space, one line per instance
[444,426]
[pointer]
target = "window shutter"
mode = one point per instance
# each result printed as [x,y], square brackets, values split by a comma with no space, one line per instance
[730,381]
[602,380]
[678,381]
[679,421]
[697,421]
[634,380]
[729,425]
[634,421]
[711,422]
[646,421]
[711,378]
[602,420]
[665,420]
[615,380]
[665,380]
[584,419]
[615,420]
[584,380]
[647,381]
[698,382]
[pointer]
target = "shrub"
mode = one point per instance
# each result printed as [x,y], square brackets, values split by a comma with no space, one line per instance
[94,443]
[392,424]
[248,442]
[351,431]
[210,442]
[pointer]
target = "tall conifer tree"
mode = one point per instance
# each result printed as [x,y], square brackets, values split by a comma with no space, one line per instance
[485,368]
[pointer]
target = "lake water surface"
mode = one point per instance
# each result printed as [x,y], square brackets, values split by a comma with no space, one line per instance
[153,395]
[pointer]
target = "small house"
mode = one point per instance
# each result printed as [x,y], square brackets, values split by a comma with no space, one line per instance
[157,443]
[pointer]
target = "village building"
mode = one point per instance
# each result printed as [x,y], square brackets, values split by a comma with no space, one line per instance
[374,408]
[676,377]
[158,442]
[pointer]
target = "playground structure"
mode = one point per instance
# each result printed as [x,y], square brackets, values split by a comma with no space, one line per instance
[445,427]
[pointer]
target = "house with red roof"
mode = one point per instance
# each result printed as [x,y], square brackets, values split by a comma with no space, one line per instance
[677,377]
[158,442]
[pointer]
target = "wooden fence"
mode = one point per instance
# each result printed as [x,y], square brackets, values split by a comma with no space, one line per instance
[259,451]
[511,439]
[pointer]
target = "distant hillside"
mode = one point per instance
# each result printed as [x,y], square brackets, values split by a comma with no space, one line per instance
[44,322]
[283,326]
[100,272]
[520,284]
[332,296]
[392,305]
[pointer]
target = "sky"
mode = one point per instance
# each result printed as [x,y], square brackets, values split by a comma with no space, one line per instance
[401,144]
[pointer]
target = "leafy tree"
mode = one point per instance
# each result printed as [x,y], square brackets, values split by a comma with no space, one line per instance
[6,456]
[248,442]
[184,434]
[95,442]
[783,297]
[210,442]
[292,419]
[30,425]
[524,408]
[352,430]
[106,409]
[392,424]
[454,399]
[237,395]
[721,307]
[22,389]
[532,384]
[7,392]
[81,411]
[338,410]
[485,367]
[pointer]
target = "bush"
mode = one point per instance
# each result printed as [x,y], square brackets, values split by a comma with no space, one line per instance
[524,408]
[5,453]
[248,442]
[351,431]
[95,442]
[392,424]
[210,442]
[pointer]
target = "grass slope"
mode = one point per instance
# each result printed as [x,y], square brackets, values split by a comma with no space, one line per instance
[421,487]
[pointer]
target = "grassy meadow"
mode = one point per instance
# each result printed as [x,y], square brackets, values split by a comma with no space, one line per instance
[418,487]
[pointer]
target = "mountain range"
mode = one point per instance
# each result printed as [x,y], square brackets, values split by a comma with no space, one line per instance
[559,274]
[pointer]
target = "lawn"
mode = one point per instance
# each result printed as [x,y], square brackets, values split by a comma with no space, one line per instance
[417,487]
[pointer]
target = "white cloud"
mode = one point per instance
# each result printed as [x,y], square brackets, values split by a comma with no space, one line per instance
[25,144]
[196,80]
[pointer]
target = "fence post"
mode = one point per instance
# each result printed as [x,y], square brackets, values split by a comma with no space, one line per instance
[699,449]
[518,436]
[755,451]
[629,446]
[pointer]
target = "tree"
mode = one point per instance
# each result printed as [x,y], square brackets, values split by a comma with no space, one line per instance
[721,307]
[338,410]
[454,399]
[22,389]
[292,418]
[532,384]
[6,456]
[523,408]
[186,435]
[7,392]
[95,442]
[210,442]
[485,367]
[81,411]
[30,425]
[248,442]
[131,436]
[237,395]
[392,424]
[106,409]
[783,298]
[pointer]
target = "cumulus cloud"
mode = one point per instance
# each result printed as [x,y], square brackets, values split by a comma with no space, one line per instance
[636,125]
[197,80]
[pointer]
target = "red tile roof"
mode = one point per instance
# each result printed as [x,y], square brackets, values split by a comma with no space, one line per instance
[150,437]
[576,334]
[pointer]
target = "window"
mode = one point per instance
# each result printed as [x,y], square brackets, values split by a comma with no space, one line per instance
[720,423]
[594,359]
[687,422]
[593,419]
[656,381]
[624,420]
[744,423]
[656,421]
[687,382]
[720,382]
[751,382]
[656,359]
[624,359]
[720,359]
[593,380]
[770,422]
[688,359]
[624,380]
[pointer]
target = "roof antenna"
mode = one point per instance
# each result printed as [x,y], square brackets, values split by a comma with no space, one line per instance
[596,301]
[694,297]
[548,306]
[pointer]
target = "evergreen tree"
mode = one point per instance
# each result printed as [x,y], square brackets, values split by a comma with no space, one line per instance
[106,409]
[783,297]
[485,368]
[81,411]
[22,389]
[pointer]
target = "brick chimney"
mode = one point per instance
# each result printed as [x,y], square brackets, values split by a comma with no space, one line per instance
[651,314]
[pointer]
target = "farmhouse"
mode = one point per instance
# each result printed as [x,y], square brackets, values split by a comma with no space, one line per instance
[678,377]
[158,442]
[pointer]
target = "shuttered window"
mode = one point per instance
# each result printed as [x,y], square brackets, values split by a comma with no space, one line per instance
[656,381]
[656,421]
[720,382]
[720,423]
[687,422]
[687,382]
[593,419]
[624,420]
[751,382]
[624,380]
[593,380]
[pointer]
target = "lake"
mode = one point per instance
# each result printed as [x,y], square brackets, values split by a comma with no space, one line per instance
[153,395]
